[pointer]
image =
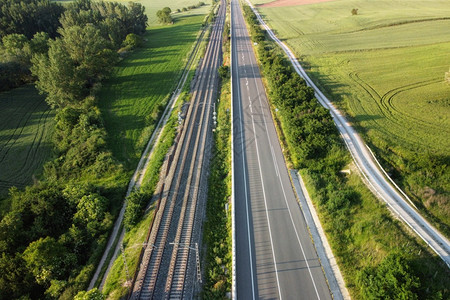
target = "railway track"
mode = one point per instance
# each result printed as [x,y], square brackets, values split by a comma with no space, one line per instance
[165,263]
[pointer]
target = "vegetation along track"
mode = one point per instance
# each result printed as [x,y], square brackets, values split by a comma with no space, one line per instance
[164,270]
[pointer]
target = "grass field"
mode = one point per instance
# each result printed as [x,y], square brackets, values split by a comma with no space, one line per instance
[26,126]
[131,99]
[385,68]
[152,6]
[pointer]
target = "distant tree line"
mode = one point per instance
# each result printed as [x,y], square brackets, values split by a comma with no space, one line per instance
[107,24]
[28,17]
[54,231]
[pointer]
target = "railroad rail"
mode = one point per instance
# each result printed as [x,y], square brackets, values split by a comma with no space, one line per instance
[164,266]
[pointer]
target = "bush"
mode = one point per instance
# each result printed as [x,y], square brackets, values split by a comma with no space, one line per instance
[224,71]
[391,279]
[132,41]
[164,15]
[136,203]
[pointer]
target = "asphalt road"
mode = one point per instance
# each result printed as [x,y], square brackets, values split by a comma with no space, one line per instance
[275,257]
[376,178]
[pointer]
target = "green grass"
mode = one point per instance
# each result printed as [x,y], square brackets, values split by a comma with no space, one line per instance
[371,234]
[26,127]
[140,86]
[133,241]
[385,68]
[217,230]
[114,285]
[152,6]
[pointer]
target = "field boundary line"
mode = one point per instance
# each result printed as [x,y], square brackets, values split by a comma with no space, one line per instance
[233,199]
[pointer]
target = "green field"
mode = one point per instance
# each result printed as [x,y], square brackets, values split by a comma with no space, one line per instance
[26,126]
[385,68]
[131,99]
[152,6]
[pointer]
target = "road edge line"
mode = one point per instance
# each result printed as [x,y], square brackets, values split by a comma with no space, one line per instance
[233,199]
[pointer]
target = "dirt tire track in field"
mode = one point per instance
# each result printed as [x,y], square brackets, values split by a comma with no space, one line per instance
[369,90]
[15,136]
[387,98]
[34,147]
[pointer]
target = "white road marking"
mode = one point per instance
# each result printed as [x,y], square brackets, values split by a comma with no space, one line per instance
[245,183]
[284,193]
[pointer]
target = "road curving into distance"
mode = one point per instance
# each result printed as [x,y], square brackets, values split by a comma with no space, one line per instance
[375,176]
[275,257]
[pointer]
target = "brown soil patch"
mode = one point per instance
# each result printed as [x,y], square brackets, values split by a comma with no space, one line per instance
[278,3]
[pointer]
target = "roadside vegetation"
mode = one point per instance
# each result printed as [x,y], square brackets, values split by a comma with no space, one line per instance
[377,254]
[217,229]
[385,67]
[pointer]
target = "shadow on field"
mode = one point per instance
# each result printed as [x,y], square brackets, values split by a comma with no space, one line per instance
[184,34]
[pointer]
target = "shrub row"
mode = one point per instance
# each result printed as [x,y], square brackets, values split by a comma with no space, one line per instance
[217,230]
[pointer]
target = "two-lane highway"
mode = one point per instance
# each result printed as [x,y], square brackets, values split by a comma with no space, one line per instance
[275,257]
[376,178]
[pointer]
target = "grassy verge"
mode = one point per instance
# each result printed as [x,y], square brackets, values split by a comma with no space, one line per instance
[26,127]
[385,68]
[115,286]
[217,230]
[378,255]
[135,95]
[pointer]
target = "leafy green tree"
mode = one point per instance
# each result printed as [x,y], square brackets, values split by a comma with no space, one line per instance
[93,294]
[91,210]
[47,259]
[136,203]
[132,41]
[17,46]
[164,16]
[75,62]
[29,16]
[39,43]
[391,279]
[15,280]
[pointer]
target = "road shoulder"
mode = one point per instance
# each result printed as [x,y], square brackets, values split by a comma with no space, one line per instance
[327,259]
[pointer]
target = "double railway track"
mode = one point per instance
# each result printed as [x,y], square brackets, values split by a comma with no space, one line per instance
[166,268]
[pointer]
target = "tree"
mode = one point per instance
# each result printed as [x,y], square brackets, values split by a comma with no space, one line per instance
[136,203]
[15,280]
[29,16]
[164,15]
[93,294]
[132,41]
[47,260]
[354,11]
[91,210]
[75,62]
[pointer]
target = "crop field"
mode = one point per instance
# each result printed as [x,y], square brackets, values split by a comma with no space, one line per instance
[26,126]
[131,99]
[152,6]
[385,67]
